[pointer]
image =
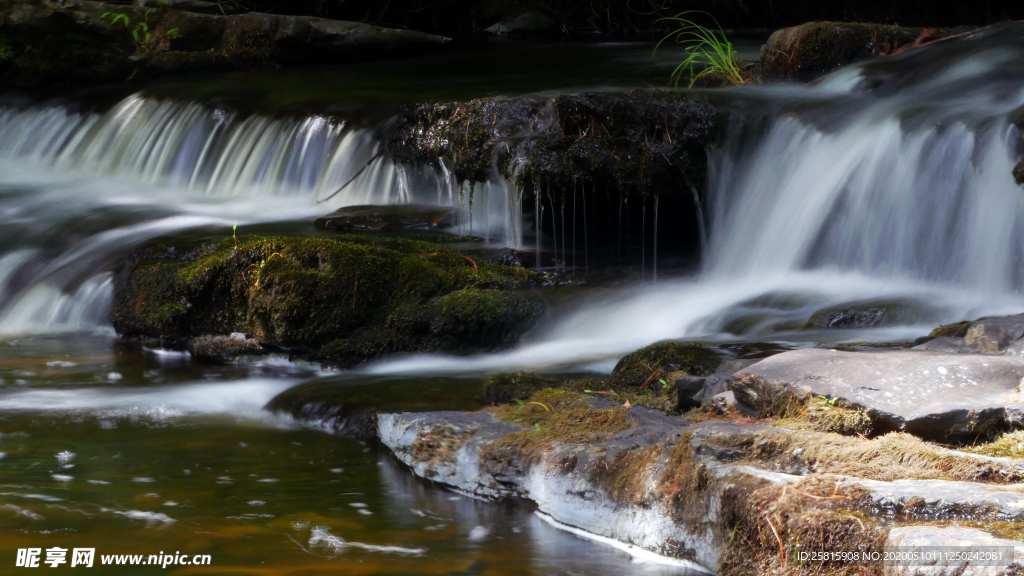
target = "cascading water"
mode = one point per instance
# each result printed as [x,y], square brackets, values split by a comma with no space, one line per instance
[887,181]
[80,189]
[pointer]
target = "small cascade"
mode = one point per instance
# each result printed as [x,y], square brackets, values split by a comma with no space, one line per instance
[80,189]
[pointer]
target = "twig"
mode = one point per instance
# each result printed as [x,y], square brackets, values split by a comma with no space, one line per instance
[354,176]
[355,288]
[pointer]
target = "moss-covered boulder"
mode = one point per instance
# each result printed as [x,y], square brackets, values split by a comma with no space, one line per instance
[810,50]
[341,300]
[664,358]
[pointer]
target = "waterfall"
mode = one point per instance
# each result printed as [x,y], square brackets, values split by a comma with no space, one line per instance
[887,181]
[80,189]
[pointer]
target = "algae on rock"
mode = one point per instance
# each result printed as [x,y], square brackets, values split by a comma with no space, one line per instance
[345,299]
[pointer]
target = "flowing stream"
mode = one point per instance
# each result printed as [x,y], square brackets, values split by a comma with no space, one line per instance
[885,182]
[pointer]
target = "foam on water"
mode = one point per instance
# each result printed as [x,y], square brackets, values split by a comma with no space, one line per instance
[241,400]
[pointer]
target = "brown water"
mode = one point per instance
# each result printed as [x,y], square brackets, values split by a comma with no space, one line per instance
[131,452]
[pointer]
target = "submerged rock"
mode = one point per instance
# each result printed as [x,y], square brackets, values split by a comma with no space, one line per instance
[810,50]
[868,314]
[341,300]
[396,217]
[930,394]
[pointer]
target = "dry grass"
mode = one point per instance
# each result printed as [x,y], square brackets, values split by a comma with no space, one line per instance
[890,457]
[439,445]
[553,417]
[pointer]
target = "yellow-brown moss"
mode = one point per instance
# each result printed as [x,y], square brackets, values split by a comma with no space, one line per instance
[440,444]
[553,417]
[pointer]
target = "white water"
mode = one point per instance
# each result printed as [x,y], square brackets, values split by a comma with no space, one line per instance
[79,190]
[890,180]
[241,400]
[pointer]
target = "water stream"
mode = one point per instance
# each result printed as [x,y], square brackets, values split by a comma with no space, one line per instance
[889,181]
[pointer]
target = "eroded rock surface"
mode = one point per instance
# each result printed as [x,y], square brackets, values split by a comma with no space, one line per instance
[699,491]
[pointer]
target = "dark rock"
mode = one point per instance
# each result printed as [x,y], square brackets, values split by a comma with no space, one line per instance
[397,217]
[224,348]
[717,382]
[929,394]
[810,50]
[644,141]
[690,390]
[49,41]
[343,300]
[868,314]
[530,21]
[1018,173]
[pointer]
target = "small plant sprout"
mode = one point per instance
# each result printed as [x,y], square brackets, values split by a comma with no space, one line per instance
[234,230]
[709,51]
[116,17]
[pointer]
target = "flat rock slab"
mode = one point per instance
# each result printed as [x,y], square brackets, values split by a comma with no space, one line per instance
[941,499]
[950,538]
[931,394]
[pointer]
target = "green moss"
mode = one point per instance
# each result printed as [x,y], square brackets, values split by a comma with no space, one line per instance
[955,330]
[1009,445]
[308,292]
[651,362]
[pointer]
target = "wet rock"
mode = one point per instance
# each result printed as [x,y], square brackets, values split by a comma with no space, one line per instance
[1018,173]
[83,40]
[810,50]
[224,348]
[339,300]
[929,539]
[644,141]
[932,395]
[398,217]
[868,314]
[530,21]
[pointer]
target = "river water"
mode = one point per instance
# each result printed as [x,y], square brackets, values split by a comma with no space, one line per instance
[884,182]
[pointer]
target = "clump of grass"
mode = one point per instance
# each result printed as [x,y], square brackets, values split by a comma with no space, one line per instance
[1009,445]
[553,417]
[710,51]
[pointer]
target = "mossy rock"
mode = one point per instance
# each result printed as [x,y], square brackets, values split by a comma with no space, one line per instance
[665,357]
[954,330]
[868,314]
[380,295]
